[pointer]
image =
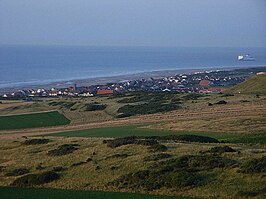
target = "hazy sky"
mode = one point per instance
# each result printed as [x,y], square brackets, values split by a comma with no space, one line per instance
[236,23]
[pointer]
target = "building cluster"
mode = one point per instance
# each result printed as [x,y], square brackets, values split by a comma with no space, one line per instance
[198,82]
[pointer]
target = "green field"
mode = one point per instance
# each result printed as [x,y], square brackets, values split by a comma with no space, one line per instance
[137,130]
[22,121]
[31,193]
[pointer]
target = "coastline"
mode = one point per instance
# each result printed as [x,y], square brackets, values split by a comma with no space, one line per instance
[120,78]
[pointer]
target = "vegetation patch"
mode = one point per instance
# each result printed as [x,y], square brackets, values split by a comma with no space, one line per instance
[153,141]
[192,96]
[64,149]
[221,149]
[36,141]
[18,172]
[254,165]
[35,179]
[195,162]
[58,169]
[152,180]
[157,148]
[117,155]
[148,108]
[78,164]
[248,194]
[33,120]
[95,107]
[221,102]
[129,140]
[156,157]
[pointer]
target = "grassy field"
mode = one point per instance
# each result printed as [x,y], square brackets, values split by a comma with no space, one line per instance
[108,164]
[142,130]
[254,85]
[31,193]
[22,121]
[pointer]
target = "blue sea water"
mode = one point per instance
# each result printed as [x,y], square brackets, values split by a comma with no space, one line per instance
[29,65]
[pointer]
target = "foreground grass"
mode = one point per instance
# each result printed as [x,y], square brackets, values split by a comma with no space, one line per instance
[31,193]
[53,118]
[94,165]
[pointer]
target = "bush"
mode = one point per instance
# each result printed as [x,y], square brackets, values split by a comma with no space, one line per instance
[118,155]
[58,169]
[78,164]
[18,172]
[95,107]
[63,150]
[221,149]
[254,166]
[148,108]
[192,96]
[157,148]
[36,141]
[152,180]
[221,102]
[184,179]
[194,162]
[35,179]
[188,138]
[157,157]
[130,140]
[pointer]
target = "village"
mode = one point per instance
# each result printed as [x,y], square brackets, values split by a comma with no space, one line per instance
[213,81]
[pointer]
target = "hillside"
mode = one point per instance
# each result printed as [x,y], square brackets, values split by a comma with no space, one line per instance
[254,85]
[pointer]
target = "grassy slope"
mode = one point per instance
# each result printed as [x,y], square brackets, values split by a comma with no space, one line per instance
[255,85]
[14,193]
[137,130]
[22,121]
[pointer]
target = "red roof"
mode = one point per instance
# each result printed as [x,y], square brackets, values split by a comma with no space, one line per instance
[104,92]
[204,83]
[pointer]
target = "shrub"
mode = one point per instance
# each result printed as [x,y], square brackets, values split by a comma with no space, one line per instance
[157,157]
[221,102]
[63,150]
[254,166]
[18,172]
[35,179]
[184,179]
[120,141]
[221,149]
[247,194]
[36,141]
[157,148]
[118,155]
[192,96]
[78,164]
[189,138]
[152,180]
[95,107]
[58,169]
[194,162]
[148,108]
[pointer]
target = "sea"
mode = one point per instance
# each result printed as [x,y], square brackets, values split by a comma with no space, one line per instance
[37,65]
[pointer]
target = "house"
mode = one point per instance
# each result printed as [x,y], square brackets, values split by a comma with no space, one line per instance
[204,83]
[104,91]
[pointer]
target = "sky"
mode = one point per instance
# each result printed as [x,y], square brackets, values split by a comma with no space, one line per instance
[189,23]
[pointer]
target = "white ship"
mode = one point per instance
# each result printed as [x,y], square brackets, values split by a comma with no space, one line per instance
[246,57]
